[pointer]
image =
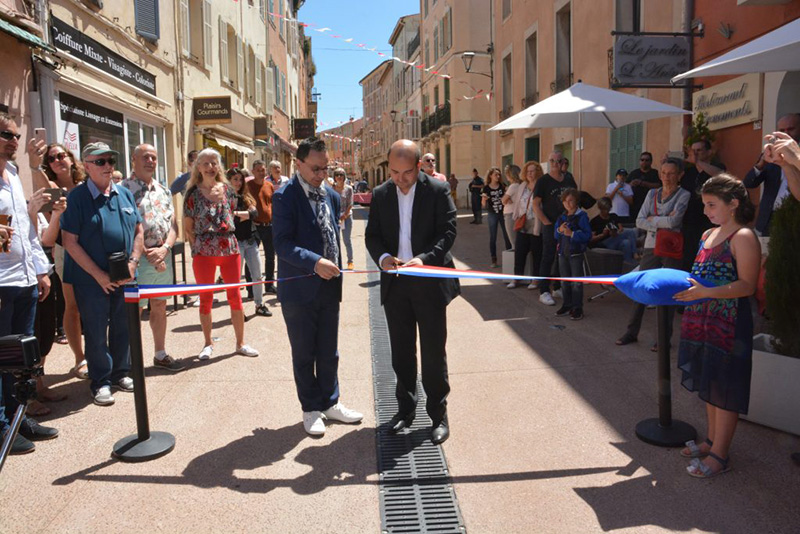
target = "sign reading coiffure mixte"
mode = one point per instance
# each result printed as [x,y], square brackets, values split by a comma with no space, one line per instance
[78,45]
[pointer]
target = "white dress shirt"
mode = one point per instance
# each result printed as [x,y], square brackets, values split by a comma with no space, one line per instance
[405,208]
[25,259]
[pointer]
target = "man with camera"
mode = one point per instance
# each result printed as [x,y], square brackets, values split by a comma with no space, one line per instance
[23,281]
[160,232]
[102,233]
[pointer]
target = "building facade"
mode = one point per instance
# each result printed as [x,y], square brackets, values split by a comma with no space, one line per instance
[375,88]
[406,103]
[344,147]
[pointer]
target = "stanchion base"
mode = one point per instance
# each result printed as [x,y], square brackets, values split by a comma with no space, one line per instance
[675,435]
[132,449]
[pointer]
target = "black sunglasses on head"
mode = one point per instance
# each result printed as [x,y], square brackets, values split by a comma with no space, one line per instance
[9,135]
[101,162]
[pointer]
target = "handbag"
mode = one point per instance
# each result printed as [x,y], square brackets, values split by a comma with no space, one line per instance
[669,243]
[519,222]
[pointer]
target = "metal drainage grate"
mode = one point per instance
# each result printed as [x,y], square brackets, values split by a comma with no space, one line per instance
[416,492]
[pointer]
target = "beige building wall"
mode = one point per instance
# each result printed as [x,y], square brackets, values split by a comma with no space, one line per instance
[591,24]
[470,111]
[375,101]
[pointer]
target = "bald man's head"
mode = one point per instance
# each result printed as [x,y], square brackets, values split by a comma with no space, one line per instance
[404,163]
[404,148]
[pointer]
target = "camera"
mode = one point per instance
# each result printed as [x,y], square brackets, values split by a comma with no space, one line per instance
[19,353]
[118,267]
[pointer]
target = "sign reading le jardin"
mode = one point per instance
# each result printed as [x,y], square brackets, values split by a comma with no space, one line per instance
[211,110]
[78,45]
[650,59]
[730,103]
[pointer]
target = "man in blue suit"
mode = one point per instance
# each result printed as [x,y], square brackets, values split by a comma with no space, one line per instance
[305,229]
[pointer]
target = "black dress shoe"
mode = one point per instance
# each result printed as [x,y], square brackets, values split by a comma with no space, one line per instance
[33,431]
[22,445]
[271,289]
[440,433]
[399,422]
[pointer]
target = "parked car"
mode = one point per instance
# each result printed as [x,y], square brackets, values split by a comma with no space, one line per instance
[362,199]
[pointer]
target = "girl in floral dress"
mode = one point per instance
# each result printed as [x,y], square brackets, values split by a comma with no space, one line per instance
[716,347]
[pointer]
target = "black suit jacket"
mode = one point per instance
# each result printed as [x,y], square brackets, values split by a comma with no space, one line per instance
[433,231]
[771,178]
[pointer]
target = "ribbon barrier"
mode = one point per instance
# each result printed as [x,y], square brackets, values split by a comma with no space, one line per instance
[655,286]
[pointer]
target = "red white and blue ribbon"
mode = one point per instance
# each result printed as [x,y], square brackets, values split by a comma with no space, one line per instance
[135,294]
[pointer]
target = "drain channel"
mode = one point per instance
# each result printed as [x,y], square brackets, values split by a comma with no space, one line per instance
[416,492]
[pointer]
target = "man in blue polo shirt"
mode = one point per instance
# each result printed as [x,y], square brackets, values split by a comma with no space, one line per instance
[102,219]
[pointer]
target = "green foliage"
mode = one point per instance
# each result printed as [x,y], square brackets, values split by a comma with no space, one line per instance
[783,282]
[699,130]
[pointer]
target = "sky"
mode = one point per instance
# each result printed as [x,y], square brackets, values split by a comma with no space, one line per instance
[341,65]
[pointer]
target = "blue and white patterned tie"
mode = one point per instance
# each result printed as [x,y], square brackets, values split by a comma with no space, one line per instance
[325,224]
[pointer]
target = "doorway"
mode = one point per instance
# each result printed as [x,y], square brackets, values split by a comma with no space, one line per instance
[532,149]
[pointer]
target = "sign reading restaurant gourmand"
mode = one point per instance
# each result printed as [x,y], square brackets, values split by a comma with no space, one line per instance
[78,45]
[212,110]
[730,103]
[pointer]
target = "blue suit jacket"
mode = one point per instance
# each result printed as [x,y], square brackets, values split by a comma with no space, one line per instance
[298,241]
[771,178]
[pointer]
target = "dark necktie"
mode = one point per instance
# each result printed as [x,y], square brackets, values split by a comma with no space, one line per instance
[325,224]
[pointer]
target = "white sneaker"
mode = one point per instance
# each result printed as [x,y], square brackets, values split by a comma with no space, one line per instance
[313,423]
[206,353]
[512,285]
[339,412]
[247,350]
[533,285]
[557,294]
[547,299]
[103,396]
[125,384]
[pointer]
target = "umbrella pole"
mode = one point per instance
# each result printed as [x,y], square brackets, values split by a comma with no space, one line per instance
[580,146]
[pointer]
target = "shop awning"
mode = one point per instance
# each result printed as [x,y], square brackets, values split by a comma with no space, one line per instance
[233,145]
[24,36]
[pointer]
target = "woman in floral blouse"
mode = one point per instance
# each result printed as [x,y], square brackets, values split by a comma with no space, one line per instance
[208,222]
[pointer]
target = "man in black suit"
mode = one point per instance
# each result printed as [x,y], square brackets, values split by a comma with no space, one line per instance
[772,176]
[412,221]
[305,215]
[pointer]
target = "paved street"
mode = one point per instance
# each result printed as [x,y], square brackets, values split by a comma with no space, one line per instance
[542,421]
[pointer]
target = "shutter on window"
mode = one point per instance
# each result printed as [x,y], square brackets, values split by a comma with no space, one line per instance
[239,63]
[223,51]
[207,35]
[269,85]
[147,19]
[186,43]
[259,68]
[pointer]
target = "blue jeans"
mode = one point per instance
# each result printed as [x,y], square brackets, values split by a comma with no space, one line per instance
[105,333]
[17,316]
[313,331]
[624,241]
[248,249]
[495,220]
[347,230]
[265,236]
[572,291]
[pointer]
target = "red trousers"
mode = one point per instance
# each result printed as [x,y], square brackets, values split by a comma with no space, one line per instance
[230,267]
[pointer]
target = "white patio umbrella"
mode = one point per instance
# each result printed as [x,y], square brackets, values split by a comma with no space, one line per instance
[586,106]
[775,51]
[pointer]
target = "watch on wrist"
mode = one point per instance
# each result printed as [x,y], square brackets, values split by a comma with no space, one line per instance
[168,246]
[134,260]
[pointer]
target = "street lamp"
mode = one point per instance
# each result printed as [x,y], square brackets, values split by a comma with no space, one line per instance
[393,114]
[469,56]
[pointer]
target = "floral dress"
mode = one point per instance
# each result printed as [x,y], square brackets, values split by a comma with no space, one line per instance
[716,347]
[213,223]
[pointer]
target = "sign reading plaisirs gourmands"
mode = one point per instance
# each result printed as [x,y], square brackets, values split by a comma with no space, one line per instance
[69,40]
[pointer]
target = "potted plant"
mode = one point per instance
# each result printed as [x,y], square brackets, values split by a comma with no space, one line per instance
[775,385]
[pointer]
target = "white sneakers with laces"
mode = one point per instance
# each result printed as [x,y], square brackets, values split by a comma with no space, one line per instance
[339,412]
[313,423]
[206,353]
[103,396]
[547,299]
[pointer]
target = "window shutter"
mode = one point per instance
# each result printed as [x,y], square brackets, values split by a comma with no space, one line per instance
[223,51]
[147,24]
[284,100]
[186,41]
[207,35]
[258,91]
[269,86]
[442,46]
[239,64]
[448,28]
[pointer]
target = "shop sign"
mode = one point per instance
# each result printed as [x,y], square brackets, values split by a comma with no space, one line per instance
[650,59]
[303,128]
[211,110]
[261,128]
[78,111]
[727,104]
[69,40]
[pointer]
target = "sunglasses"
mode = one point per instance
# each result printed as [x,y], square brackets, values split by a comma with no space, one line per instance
[102,162]
[430,161]
[8,135]
[61,156]
[646,159]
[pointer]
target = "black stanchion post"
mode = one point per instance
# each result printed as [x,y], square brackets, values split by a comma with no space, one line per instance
[664,431]
[144,445]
